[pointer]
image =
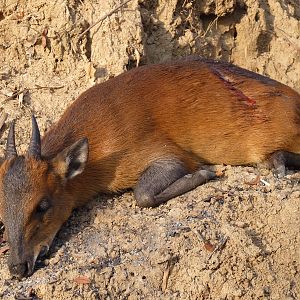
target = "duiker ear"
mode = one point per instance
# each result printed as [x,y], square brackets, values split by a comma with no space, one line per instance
[71,161]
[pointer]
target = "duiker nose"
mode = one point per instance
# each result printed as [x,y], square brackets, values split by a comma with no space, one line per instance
[19,270]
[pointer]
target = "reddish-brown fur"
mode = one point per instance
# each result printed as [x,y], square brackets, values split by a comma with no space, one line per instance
[197,111]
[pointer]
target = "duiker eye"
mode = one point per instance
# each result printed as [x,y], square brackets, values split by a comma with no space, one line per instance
[43,206]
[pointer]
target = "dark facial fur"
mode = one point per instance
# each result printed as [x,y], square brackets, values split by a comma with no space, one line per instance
[34,203]
[16,184]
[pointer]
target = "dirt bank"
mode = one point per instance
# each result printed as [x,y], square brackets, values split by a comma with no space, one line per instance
[120,250]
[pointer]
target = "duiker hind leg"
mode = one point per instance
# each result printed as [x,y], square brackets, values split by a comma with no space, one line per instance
[282,159]
[166,179]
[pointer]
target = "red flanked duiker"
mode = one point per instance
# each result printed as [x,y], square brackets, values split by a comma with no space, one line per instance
[149,129]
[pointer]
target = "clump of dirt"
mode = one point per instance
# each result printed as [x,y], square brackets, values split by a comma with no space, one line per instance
[227,239]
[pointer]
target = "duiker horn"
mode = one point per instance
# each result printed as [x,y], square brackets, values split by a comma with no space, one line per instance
[11,150]
[35,142]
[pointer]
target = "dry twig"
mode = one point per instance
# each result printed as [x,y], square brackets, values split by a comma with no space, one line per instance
[293,41]
[166,276]
[103,18]
[211,24]
[198,234]
[22,92]
[220,246]
[39,87]
[169,267]
[16,94]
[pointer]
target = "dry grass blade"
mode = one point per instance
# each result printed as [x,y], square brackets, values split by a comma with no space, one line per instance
[170,264]
[103,18]
[293,41]
[265,182]
[198,235]
[3,118]
[20,99]
[16,94]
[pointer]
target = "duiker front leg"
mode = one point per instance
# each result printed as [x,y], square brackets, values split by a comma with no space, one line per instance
[166,179]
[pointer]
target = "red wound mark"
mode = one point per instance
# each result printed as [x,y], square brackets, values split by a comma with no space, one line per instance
[230,85]
[251,102]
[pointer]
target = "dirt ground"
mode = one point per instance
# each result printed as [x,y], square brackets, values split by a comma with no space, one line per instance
[227,239]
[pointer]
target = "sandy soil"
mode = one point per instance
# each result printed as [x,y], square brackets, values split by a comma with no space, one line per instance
[227,239]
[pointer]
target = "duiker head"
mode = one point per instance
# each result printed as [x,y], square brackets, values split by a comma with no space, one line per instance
[34,202]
